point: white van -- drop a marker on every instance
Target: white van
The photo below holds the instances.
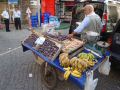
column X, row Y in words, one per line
column 108, row 11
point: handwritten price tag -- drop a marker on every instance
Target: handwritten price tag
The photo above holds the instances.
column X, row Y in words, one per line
column 40, row 41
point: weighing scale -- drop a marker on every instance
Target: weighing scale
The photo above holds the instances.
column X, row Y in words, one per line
column 93, row 44
column 98, row 48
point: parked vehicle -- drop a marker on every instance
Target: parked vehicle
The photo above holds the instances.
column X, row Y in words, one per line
column 110, row 16
column 114, row 40
column 107, row 11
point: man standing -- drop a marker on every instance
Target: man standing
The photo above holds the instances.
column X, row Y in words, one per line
column 17, row 18
column 5, row 16
column 28, row 11
column 91, row 22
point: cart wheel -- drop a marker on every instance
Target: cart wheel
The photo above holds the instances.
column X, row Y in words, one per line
column 48, row 76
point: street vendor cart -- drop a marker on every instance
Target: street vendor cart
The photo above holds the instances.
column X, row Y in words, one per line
column 50, row 68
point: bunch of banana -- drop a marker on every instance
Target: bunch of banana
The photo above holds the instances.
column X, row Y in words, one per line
column 63, row 55
column 64, row 60
column 83, row 56
column 67, row 69
column 91, row 56
column 76, row 73
column 88, row 63
column 67, row 74
column 74, row 62
column 80, row 68
column 88, row 56
column 79, row 64
column 82, row 65
column 91, row 63
column 71, row 71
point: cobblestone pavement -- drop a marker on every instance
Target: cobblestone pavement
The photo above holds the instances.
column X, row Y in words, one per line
column 16, row 66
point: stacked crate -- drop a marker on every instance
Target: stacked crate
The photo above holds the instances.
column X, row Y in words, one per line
column 34, row 21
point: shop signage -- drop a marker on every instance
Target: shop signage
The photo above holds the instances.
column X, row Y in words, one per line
column 33, row 2
column 12, row 1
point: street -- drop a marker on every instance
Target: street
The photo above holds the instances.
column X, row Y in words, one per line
column 19, row 71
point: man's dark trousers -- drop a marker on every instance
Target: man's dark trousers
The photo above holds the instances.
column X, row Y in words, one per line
column 6, row 21
column 17, row 23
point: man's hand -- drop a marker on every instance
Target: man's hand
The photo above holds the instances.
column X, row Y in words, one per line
column 70, row 36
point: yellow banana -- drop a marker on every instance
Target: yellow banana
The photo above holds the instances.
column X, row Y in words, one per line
column 76, row 75
column 67, row 68
column 66, row 75
column 76, row 72
column 91, row 63
column 91, row 56
column 81, row 54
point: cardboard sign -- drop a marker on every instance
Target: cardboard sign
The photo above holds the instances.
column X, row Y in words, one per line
column 40, row 41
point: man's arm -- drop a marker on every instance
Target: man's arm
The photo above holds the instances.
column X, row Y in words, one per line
column 83, row 25
column 2, row 15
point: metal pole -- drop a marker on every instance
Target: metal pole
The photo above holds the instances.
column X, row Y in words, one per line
column 38, row 6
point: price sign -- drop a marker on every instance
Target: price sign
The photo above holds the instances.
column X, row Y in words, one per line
column 40, row 41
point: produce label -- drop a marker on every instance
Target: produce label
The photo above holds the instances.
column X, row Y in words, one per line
column 40, row 41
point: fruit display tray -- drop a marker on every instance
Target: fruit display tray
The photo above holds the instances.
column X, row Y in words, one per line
column 58, row 37
column 49, row 48
column 70, row 46
column 31, row 39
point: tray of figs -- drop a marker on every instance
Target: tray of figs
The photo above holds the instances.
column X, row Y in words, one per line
column 69, row 46
column 49, row 48
column 31, row 39
column 56, row 37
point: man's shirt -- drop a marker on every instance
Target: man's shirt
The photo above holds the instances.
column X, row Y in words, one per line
column 85, row 23
column 5, row 14
column 17, row 14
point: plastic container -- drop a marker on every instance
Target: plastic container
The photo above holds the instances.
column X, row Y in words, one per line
column 63, row 28
column 46, row 17
column 34, row 21
column 53, row 20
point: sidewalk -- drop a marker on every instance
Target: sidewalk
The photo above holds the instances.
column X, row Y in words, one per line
column 18, row 69
column 12, row 27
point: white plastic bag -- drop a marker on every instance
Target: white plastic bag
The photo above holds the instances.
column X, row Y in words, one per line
column 90, row 84
column 104, row 68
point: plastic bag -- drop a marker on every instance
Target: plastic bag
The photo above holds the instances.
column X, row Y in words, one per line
column 90, row 84
column 104, row 68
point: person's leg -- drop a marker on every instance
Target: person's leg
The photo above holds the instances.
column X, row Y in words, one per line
column 15, row 21
column 7, row 25
column 29, row 22
column 19, row 23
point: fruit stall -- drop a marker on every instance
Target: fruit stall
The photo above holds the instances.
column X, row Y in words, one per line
column 61, row 57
